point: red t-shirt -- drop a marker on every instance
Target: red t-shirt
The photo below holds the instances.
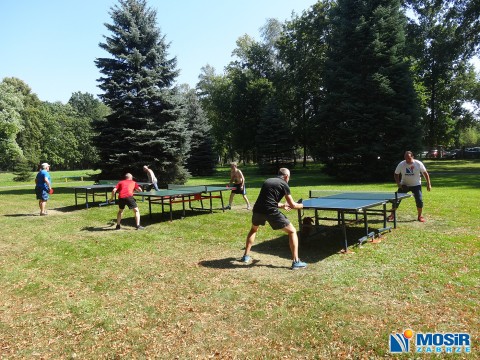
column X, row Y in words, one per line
column 125, row 188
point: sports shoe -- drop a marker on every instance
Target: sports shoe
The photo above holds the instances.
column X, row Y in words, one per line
column 298, row 265
column 43, row 213
column 227, row 207
column 421, row 219
column 245, row 259
column 248, row 207
column 117, row 227
column 390, row 218
column 140, row 227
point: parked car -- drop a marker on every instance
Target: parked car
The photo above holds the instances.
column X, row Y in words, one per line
column 453, row 154
column 472, row 153
column 435, row 154
column 423, row 154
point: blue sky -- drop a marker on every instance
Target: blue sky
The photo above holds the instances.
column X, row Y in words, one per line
column 51, row 45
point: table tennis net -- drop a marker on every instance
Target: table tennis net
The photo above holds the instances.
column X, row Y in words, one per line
column 200, row 188
column 358, row 195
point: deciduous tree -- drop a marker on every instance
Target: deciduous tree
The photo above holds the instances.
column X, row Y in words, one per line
column 11, row 107
column 442, row 40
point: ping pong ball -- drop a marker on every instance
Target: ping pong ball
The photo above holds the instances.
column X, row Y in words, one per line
column 408, row 334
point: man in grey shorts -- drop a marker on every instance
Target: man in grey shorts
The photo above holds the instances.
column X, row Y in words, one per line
column 267, row 207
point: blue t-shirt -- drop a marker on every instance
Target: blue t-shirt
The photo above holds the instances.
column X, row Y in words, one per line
column 41, row 183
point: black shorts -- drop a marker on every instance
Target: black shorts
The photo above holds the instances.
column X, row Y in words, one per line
column 129, row 201
column 239, row 189
column 277, row 221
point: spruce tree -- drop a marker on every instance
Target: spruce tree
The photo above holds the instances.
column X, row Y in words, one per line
column 369, row 115
column 23, row 170
column 274, row 140
column 202, row 158
column 146, row 125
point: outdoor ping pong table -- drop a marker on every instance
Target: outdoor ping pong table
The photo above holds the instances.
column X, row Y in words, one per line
column 359, row 204
column 105, row 188
column 181, row 194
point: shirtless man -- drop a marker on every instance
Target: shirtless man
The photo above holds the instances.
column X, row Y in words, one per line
column 238, row 181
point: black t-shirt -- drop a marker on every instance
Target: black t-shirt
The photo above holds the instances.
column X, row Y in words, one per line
column 273, row 190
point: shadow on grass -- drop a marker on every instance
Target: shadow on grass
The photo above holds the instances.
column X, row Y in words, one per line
column 324, row 242
column 177, row 214
column 456, row 180
column 21, row 215
column 234, row 263
column 67, row 209
column 128, row 223
column 98, row 228
column 31, row 191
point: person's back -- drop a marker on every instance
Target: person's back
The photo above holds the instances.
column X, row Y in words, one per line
column 40, row 179
column 271, row 193
column 266, row 209
column 126, row 188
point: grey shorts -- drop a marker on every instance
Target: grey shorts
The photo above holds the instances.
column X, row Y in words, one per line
column 277, row 221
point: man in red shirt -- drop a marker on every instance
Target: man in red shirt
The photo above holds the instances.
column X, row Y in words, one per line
column 125, row 189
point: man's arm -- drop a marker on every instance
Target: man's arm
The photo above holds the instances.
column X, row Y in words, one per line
column 242, row 178
column 112, row 197
column 427, row 178
column 290, row 204
column 397, row 178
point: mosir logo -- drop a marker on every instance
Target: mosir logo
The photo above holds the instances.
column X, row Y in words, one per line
column 430, row 343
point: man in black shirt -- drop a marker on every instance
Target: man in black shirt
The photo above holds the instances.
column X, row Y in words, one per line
column 267, row 207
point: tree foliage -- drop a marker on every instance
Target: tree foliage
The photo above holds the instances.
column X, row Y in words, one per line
column 441, row 41
column 146, row 124
column 369, row 116
column 202, row 159
column 214, row 93
column 11, row 107
column 274, row 139
column 89, row 111
column 299, row 82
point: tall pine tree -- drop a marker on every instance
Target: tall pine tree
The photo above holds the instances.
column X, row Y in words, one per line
column 274, row 139
column 202, row 159
column 370, row 115
column 146, row 125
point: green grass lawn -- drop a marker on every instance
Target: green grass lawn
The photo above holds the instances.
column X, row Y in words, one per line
column 72, row 287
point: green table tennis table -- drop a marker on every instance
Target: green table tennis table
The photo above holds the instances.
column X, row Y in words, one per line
column 359, row 204
column 104, row 188
column 176, row 194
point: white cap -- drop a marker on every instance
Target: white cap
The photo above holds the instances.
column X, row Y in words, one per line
column 44, row 165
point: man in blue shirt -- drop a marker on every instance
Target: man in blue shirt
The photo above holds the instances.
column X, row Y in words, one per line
column 43, row 184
